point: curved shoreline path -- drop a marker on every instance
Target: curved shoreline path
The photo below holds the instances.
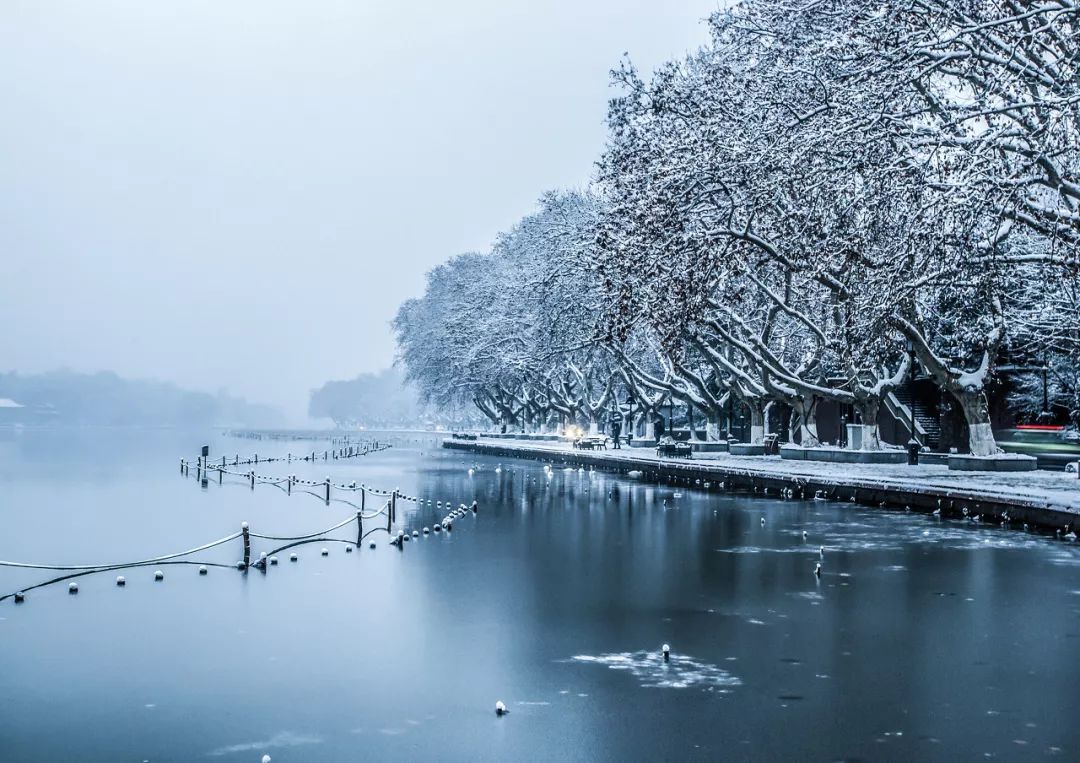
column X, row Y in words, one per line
column 1037, row 498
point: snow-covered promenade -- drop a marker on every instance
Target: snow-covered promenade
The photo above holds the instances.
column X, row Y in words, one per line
column 1048, row 499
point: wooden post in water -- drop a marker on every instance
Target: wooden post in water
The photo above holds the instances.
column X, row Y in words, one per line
column 252, row 475
column 359, row 528
column 363, row 492
column 247, row 543
column 327, row 491
column 393, row 506
column 289, row 483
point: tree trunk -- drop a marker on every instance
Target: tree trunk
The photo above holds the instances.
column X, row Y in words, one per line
column 712, row 429
column 807, row 410
column 977, row 414
column 650, row 428
column 757, row 423
column 868, row 415
column 594, row 426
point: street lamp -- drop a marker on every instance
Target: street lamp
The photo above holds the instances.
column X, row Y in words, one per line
column 913, row 444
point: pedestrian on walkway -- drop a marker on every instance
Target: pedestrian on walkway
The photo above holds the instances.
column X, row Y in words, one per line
column 615, row 422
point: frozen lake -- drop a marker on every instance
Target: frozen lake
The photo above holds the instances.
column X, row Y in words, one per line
column 921, row 639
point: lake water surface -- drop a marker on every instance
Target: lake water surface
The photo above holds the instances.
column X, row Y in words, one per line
column 920, row 640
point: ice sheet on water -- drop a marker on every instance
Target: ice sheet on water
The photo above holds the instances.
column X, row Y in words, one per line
column 679, row 672
column 280, row 739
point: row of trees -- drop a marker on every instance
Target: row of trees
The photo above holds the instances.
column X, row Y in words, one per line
column 825, row 194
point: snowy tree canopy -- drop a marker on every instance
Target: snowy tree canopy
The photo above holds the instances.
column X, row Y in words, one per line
column 789, row 215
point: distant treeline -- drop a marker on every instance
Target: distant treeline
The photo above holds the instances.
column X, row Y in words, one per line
column 379, row 400
column 103, row 398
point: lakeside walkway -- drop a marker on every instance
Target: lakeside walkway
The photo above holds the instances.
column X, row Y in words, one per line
column 1049, row 499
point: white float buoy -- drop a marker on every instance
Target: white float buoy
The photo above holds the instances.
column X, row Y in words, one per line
column 500, row 708
column 73, row 587
column 120, row 580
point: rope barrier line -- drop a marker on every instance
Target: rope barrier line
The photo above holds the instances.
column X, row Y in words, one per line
column 74, row 571
column 336, row 455
column 154, row 560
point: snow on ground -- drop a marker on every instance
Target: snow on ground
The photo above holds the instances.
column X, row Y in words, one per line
column 1054, row 490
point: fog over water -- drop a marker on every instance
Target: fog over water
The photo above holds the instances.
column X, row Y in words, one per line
column 279, row 176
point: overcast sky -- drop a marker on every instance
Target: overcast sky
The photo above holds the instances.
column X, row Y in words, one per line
column 239, row 194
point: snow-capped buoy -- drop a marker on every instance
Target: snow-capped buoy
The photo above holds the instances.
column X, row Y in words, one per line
column 500, row 708
column 371, row 545
column 273, row 561
column 266, row 759
column 634, row 474
column 472, row 472
column 763, row 521
column 293, row 557
column 159, row 575
column 19, row 597
column 475, row 507
column 804, row 534
column 120, row 580
column 665, row 650
column 415, row 534
column 202, row 569
column 821, row 551
column 241, row 566
column 325, row 551
column 426, row 531
column 817, row 569
column 73, row 587
column 348, row 549
column 436, row 528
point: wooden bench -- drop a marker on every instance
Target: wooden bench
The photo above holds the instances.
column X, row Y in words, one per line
column 674, row 450
column 591, row 443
